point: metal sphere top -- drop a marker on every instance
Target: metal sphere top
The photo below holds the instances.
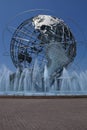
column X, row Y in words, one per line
column 45, row 38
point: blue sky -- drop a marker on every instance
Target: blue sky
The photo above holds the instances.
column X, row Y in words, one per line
column 74, row 12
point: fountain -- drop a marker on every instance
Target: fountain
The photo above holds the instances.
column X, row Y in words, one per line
column 26, row 83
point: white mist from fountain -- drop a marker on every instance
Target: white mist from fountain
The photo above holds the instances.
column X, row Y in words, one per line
column 73, row 83
column 32, row 82
column 46, row 79
column 4, row 80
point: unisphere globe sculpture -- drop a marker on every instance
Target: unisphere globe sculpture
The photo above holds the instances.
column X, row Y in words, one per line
column 45, row 38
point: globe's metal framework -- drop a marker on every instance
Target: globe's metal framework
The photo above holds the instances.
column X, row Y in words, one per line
column 29, row 44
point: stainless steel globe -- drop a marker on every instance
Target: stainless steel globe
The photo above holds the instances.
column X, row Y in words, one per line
column 45, row 38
